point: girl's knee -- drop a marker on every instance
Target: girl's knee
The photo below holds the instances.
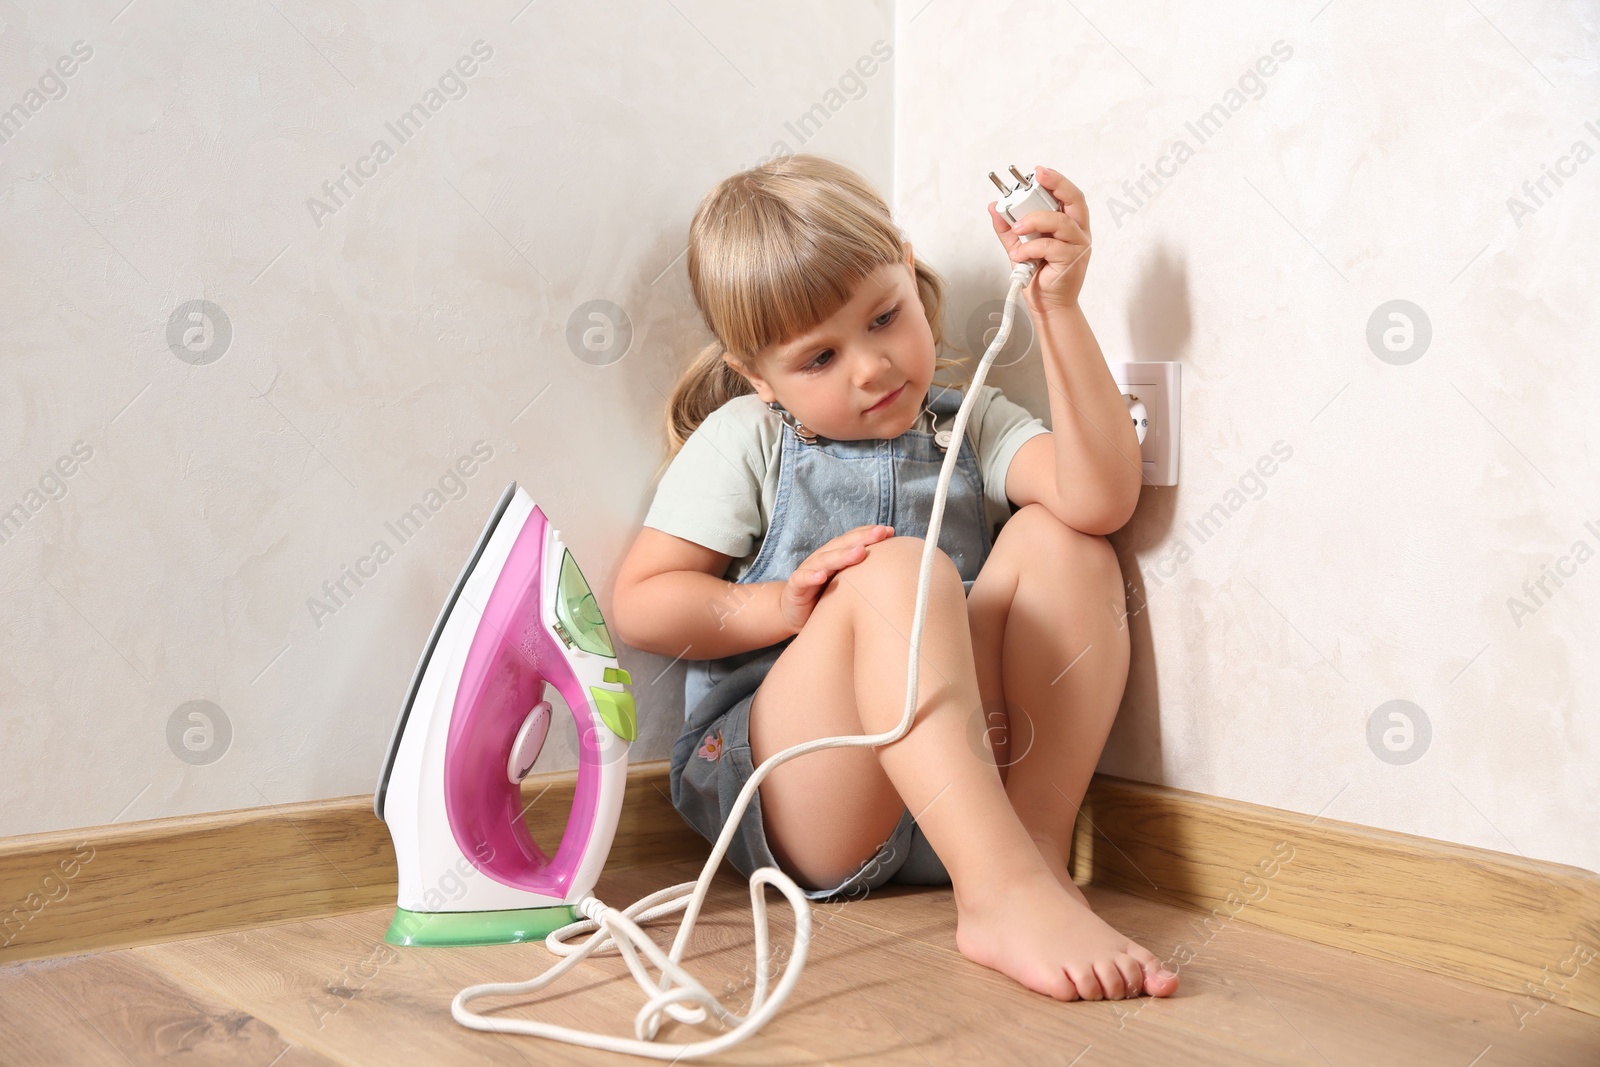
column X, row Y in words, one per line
column 1048, row 540
column 900, row 558
column 888, row 576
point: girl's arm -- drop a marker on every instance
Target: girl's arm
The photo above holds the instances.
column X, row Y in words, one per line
column 670, row 600
column 690, row 615
column 1097, row 470
column 1098, row 466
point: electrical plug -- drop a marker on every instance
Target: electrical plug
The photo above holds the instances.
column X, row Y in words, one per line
column 1025, row 197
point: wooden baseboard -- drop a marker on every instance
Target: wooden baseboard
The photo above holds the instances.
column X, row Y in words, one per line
column 166, row 879
column 1529, row 928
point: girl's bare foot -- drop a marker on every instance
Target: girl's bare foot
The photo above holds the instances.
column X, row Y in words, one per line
column 1034, row 930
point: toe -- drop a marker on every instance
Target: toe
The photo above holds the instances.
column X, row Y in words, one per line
column 1159, row 982
column 1132, row 974
column 1083, row 977
column 1147, row 959
column 1111, row 980
column 1054, row 983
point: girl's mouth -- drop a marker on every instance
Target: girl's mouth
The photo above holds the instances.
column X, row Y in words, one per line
column 886, row 401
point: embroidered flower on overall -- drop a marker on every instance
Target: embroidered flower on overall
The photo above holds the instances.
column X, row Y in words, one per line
column 711, row 746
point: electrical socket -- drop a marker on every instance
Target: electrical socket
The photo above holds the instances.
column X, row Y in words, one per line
column 1155, row 387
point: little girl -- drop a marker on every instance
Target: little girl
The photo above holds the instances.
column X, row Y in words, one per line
column 781, row 556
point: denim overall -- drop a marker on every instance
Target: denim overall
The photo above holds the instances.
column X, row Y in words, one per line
column 825, row 489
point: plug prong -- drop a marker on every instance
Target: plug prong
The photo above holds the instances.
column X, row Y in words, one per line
column 999, row 184
column 1024, row 182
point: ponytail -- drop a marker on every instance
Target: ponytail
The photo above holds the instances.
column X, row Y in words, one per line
column 705, row 386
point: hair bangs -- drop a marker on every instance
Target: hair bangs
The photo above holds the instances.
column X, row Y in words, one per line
column 782, row 260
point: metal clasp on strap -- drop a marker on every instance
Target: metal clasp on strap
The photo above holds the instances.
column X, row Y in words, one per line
column 795, row 424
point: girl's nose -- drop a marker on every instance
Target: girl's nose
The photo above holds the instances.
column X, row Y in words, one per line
column 873, row 367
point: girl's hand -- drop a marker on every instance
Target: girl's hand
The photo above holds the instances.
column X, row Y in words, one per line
column 799, row 596
column 1062, row 248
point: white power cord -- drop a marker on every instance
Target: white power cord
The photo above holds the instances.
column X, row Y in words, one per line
column 620, row 929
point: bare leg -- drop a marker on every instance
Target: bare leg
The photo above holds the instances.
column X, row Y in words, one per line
column 1065, row 665
column 1052, row 654
column 1013, row 915
column 1053, row 658
column 1013, row 737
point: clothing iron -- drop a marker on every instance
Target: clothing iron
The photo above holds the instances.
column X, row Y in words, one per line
column 520, row 617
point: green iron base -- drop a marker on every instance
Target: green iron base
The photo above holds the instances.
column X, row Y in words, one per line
column 460, row 928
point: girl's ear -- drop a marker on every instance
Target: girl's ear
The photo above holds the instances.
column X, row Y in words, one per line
column 757, row 383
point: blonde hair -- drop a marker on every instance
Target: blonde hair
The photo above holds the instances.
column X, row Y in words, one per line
column 773, row 251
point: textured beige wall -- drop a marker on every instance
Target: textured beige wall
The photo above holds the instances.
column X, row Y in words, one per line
column 1374, row 564
column 379, row 337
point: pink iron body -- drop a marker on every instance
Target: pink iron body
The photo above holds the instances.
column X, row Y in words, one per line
column 520, row 618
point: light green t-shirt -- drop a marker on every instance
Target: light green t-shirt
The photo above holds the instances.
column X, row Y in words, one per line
column 719, row 489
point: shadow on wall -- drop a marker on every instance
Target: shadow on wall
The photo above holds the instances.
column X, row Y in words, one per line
column 1160, row 326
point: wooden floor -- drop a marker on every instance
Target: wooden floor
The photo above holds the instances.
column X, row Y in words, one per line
column 884, row 984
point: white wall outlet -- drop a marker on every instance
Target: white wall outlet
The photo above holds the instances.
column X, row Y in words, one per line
column 1154, row 386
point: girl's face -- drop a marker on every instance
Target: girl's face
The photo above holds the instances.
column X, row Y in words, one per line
column 864, row 372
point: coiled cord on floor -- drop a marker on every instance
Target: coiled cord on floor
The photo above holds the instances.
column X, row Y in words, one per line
column 674, row 991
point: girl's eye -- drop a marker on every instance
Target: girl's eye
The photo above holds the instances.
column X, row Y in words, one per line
column 817, row 364
column 881, row 322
